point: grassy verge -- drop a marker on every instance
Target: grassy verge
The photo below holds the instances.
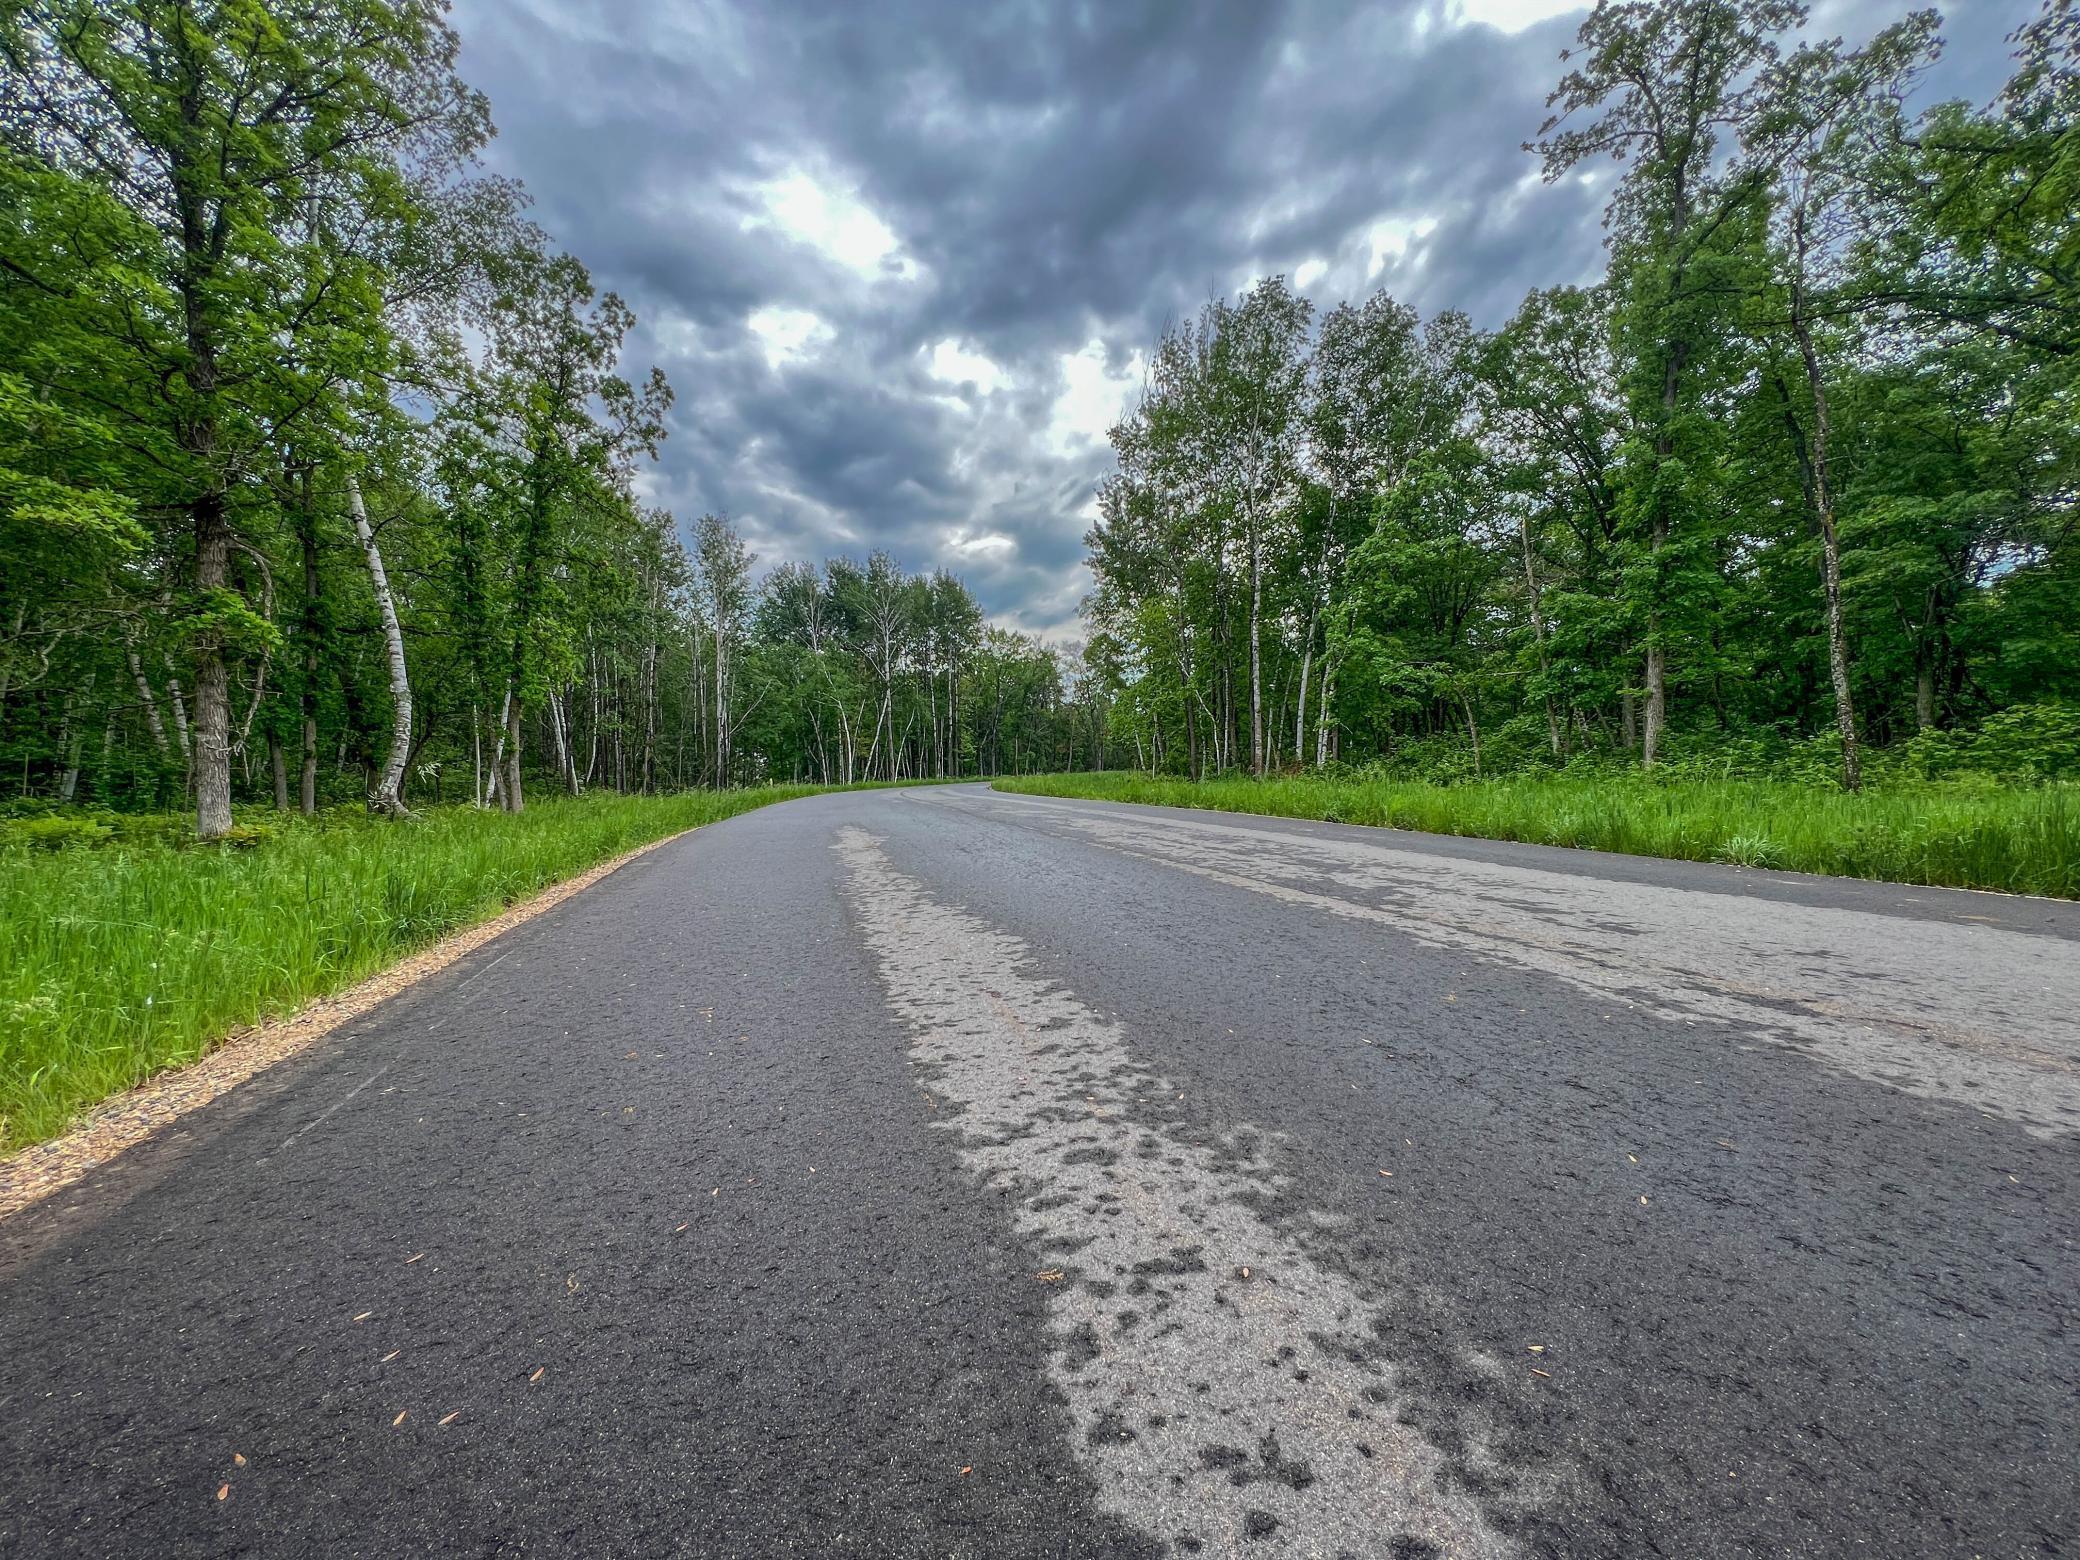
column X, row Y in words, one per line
column 120, row 960
column 2022, row 840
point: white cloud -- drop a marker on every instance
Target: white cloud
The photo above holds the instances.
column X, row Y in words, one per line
column 832, row 220
column 788, row 335
column 1109, row 183
column 951, row 362
column 1091, row 400
column 1389, row 239
column 987, row 544
column 1512, row 16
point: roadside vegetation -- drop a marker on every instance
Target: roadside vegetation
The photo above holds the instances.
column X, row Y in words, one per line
column 125, row 947
column 1759, row 549
column 322, row 466
column 1798, row 467
column 1961, row 833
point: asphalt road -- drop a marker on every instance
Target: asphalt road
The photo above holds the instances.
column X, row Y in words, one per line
column 943, row 1173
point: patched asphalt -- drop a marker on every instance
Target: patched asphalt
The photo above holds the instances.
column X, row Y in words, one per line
column 678, row 1201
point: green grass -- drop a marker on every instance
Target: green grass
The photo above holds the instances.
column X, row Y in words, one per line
column 2022, row 840
column 122, row 956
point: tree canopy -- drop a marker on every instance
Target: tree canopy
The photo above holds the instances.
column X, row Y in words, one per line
column 319, row 464
column 1797, row 472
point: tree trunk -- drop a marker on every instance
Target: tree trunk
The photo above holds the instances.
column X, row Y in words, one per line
column 21, row 616
column 1538, row 631
column 201, row 251
column 180, row 718
column 278, row 761
column 212, row 752
column 721, row 708
column 1191, row 723
column 560, row 738
column 495, row 772
column 572, row 783
column 153, row 723
column 1664, row 452
column 1256, row 653
column 1300, row 705
column 1830, row 543
column 650, row 649
column 307, row 526
column 1321, row 725
column 513, row 799
column 592, row 699
column 69, row 742
column 700, row 697
column 1657, row 685
column 1657, row 651
column 388, row 795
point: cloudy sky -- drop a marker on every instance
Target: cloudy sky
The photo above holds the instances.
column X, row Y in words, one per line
column 902, row 259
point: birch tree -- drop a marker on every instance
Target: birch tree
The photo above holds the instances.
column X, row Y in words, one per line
column 723, row 565
column 1251, row 417
column 387, row 797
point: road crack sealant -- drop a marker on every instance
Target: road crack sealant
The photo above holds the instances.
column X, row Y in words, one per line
column 1227, row 1391
column 1963, row 1015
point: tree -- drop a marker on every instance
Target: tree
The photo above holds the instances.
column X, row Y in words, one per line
column 1251, row 423
column 1833, row 345
column 1380, row 393
column 211, row 125
column 1819, row 113
column 550, row 434
column 1969, row 217
column 1672, row 80
column 1554, row 413
column 723, row 565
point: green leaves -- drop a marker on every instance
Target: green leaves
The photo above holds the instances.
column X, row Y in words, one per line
column 225, row 616
column 59, row 513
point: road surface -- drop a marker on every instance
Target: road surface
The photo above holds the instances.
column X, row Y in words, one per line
column 946, row 1173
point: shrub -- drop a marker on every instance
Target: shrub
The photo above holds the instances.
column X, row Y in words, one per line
column 55, row 831
column 2029, row 742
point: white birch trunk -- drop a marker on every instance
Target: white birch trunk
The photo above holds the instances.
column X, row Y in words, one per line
column 180, row 716
column 153, row 723
column 498, row 750
column 388, row 796
column 1321, row 725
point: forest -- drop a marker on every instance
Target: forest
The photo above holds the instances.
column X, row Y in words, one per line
column 323, row 473
column 1790, row 490
column 321, row 467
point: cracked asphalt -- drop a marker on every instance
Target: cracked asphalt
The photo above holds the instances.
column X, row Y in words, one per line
column 940, row 1172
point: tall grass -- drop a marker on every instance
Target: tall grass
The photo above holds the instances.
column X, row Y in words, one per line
column 120, row 960
column 2019, row 839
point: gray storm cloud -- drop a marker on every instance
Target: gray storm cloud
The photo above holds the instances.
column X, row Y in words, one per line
column 901, row 261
